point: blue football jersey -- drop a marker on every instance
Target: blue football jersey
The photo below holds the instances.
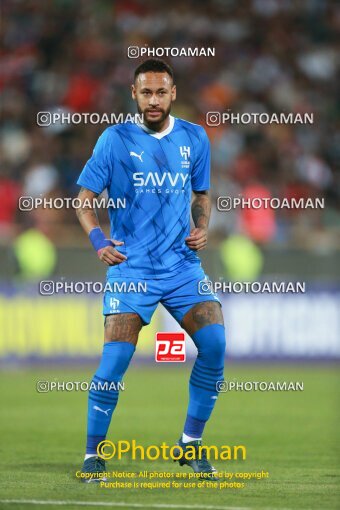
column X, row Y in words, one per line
column 152, row 174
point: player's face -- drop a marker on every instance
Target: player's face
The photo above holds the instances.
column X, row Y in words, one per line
column 154, row 93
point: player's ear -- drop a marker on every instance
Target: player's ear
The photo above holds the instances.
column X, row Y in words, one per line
column 173, row 93
column 133, row 91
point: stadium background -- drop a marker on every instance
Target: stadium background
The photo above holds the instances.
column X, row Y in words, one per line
column 271, row 56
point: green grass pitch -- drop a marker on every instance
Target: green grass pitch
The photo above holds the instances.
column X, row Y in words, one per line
column 292, row 435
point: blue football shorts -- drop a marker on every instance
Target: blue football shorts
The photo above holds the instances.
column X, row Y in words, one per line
column 177, row 293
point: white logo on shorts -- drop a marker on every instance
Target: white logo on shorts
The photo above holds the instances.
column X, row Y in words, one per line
column 114, row 304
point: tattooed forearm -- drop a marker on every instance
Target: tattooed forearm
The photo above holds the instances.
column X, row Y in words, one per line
column 86, row 212
column 200, row 209
column 82, row 191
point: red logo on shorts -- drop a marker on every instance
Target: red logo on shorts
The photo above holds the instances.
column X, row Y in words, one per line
column 170, row 347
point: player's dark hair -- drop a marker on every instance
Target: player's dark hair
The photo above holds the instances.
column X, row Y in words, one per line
column 154, row 65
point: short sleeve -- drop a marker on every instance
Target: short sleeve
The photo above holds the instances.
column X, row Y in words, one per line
column 96, row 174
column 200, row 176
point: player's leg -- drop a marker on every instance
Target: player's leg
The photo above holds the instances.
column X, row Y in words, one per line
column 204, row 323
column 201, row 317
column 125, row 314
column 121, row 336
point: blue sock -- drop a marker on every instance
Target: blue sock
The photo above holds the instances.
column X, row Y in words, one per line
column 207, row 370
column 102, row 402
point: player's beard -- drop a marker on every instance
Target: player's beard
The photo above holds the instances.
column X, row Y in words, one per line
column 155, row 125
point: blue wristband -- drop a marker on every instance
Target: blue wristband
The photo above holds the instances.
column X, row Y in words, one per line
column 98, row 239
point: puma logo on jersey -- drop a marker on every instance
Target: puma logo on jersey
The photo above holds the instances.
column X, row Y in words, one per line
column 139, row 156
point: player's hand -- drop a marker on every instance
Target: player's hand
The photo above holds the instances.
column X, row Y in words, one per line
column 110, row 256
column 198, row 239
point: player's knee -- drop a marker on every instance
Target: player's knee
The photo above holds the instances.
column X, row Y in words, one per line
column 211, row 344
column 214, row 352
column 207, row 313
column 115, row 360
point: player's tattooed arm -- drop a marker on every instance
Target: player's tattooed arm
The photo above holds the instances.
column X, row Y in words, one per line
column 200, row 211
column 86, row 212
column 88, row 219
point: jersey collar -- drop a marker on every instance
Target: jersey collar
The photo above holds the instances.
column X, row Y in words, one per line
column 156, row 134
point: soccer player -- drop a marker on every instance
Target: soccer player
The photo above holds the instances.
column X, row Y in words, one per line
column 158, row 167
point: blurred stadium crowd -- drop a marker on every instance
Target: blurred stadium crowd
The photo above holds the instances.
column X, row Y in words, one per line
column 271, row 56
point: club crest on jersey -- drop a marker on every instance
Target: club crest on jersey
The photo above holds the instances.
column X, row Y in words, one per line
column 185, row 153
